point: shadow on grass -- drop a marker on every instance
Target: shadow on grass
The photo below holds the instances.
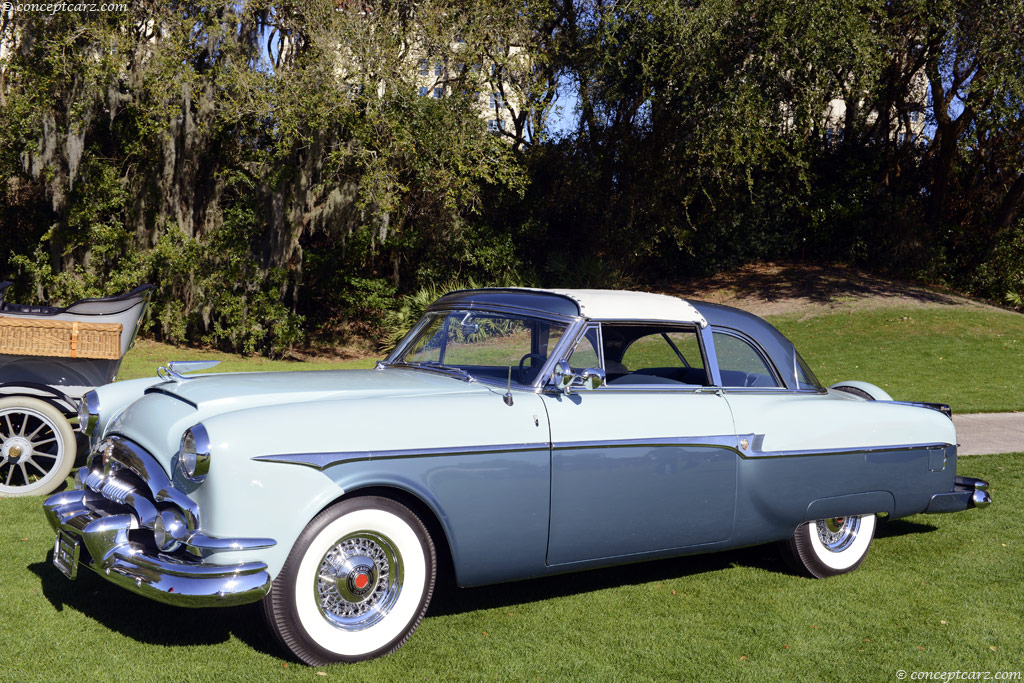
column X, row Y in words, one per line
column 450, row 599
column 902, row 527
column 152, row 622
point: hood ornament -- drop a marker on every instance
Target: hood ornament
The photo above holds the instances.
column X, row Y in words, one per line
column 172, row 372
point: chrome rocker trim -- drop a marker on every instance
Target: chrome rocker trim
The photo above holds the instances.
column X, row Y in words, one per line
column 967, row 493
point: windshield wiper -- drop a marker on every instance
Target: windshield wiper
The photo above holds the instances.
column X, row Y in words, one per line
column 436, row 367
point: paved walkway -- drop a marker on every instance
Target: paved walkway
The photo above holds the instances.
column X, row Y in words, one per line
column 983, row 433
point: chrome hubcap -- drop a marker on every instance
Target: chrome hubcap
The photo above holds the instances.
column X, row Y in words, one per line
column 359, row 580
column 838, row 533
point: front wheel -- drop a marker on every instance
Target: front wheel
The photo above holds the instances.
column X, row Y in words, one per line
column 827, row 547
column 37, row 447
column 355, row 585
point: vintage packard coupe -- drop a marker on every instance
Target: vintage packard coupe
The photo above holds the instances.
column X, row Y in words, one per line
column 518, row 433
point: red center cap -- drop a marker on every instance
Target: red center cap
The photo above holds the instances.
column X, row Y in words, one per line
column 361, row 581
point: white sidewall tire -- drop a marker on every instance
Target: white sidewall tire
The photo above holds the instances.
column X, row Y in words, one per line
column 292, row 607
column 359, row 643
column 849, row 556
column 806, row 553
column 66, row 451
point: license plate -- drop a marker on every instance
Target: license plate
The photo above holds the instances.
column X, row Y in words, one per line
column 65, row 554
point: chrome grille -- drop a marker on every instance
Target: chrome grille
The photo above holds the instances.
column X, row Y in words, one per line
column 124, row 473
column 117, row 491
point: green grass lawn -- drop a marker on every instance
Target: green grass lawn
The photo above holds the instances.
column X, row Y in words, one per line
column 146, row 356
column 937, row 592
column 972, row 359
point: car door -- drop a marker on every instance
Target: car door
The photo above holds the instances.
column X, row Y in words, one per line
column 647, row 462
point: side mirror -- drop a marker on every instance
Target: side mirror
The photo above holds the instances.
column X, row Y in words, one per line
column 563, row 376
column 593, row 378
column 565, row 379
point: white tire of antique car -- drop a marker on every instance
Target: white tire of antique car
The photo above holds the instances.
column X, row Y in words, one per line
column 37, row 447
column 828, row 547
column 355, row 585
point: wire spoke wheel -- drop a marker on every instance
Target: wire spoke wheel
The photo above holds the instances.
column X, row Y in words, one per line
column 356, row 583
column 37, row 447
column 827, row 547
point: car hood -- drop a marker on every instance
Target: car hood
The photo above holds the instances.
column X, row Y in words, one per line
column 157, row 419
column 212, row 394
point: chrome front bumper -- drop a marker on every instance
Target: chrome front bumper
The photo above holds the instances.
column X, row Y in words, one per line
column 95, row 532
column 967, row 492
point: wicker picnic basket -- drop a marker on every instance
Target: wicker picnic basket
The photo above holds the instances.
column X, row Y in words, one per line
column 60, row 338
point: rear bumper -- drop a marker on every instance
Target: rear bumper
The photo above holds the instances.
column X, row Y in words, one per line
column 103, row 544
column 967, row 493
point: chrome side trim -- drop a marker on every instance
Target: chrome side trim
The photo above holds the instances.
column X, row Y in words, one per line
column 758, row 439
column 322, row 461
column 729, row 441
column 744, row 445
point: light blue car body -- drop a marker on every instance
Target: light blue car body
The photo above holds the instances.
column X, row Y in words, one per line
column 515, row 481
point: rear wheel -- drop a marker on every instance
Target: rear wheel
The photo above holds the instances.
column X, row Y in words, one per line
column 827, row 547
column 355, row 585
column 37, row 447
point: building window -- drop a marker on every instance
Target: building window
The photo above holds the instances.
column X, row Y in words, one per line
column 439, row 69
column 496, row 101
column 424, row 68
column 423, row 91
column 495, row 125
column 438, row 93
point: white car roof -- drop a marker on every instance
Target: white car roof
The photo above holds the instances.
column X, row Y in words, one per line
column 614, row 304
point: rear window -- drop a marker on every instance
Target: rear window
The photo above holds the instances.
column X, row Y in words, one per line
column 740, row 364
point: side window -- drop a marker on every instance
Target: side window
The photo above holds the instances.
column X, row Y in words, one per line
column 740, row 364
column 664, row 350
column 653, row 355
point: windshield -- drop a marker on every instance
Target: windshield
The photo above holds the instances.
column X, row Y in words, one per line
column 485, row 345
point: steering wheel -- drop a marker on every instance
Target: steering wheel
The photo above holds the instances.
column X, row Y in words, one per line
column 522, row 368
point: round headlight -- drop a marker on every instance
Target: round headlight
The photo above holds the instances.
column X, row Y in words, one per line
column 88, row 412
column 168, row 530
column 194, row 453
